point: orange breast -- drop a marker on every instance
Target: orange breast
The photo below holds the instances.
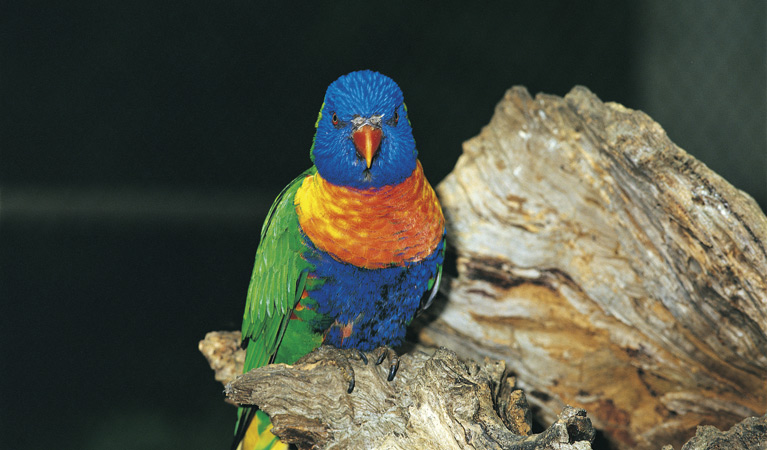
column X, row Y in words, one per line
column 372, row 228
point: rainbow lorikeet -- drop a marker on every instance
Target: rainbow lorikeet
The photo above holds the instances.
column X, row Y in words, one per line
column 352, row 248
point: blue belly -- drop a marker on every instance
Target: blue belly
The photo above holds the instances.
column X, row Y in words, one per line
column 367, row 308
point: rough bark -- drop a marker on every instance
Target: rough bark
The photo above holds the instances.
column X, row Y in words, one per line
column 449, row 393
column 224, row 354
column 609, row 269
column 435, row 402
column 750, row 434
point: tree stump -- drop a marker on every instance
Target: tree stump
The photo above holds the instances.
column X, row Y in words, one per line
column 609, row 269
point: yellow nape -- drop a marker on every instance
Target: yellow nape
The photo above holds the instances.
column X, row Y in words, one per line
column 264, row 440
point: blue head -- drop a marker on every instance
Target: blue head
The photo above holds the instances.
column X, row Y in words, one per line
column 364, row 138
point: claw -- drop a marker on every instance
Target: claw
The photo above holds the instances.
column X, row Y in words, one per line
column 393, row 369
column 384, row 353
column 343, row 363
column 348, row 372
column 363, row 357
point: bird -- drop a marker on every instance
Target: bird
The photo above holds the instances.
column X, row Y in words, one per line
column 351, row 249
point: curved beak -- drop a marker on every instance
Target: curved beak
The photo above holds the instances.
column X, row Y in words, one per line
column 367, row 139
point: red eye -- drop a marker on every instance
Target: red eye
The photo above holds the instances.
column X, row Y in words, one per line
column 335, row 119
column 396, row 117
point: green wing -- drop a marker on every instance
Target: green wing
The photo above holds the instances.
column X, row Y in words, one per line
column 278, row 280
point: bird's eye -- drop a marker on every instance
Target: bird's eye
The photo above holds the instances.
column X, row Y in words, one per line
column 335, row 119
column 394, row 119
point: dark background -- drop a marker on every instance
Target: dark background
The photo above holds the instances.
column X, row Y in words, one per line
column 141, row 144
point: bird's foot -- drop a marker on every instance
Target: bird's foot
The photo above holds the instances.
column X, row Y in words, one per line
column 342, row 361
column 386, row 353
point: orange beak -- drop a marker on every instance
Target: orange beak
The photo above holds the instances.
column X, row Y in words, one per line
column 367, row 140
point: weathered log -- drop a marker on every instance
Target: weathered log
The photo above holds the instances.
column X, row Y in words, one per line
column 572, row 428
column 609, row 269
column 750, row 434
column 224, row 354
column 435, row 402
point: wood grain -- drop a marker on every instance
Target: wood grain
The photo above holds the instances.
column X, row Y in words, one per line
column 610, row 269
column 436, row 401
